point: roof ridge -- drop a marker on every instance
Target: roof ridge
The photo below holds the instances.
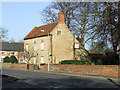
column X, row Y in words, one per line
column 47, row 24
column 11, row 42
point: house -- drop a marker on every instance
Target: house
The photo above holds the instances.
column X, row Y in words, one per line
column 11, row 48
column 54, row 39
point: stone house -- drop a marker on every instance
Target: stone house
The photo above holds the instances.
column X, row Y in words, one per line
column 54, row 39
column 11, row 48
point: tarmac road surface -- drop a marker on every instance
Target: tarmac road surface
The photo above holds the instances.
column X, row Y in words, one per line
column 39, row 79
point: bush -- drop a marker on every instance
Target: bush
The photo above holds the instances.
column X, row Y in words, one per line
column 6, row 60
column 13, row 59
column 73, row 62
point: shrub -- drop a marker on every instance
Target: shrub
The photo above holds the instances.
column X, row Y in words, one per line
column 73, row 62
column 6, row 60
column 13, row 59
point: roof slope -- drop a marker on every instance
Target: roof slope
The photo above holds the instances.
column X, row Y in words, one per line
column 36, row 31
column 13, row 46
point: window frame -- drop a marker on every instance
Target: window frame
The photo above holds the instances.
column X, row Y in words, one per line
column 42, row 58
column 42, row 45
column 58, row 32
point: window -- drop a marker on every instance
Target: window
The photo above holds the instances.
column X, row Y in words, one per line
column 15, row 53
column 76, row 45
column 21, row 53
column 42, row 30
column 35, row 47
column 76, row 58
column 42, row 59
column 42, row 45
column 26, row 47
column 35, row 60
column 2, row 58
column 3, row 52
column 12, row 53
column 21, row 59
column 58, row 32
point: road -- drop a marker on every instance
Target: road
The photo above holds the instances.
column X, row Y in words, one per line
column 35, row 79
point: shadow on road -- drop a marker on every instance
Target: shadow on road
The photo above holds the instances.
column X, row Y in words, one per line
column 114, row 82
column 8, row 79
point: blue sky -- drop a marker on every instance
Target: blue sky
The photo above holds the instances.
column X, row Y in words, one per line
column 19, row 18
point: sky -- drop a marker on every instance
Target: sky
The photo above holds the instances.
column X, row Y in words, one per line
column 19, row 18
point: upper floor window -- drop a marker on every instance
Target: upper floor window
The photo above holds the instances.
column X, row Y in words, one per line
column 26, row 47
column 58, row 32
column 42, row 45
column 3, row 52
column 15, row 53
column 12, row 53
column 35, row 46
column 21, row 53
column 42, row 30
column 76, row 45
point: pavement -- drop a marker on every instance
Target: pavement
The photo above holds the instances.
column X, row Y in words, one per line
column 43, row 79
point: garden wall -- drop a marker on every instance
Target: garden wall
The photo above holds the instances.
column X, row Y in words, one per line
column 101, row 70
column 17, row 66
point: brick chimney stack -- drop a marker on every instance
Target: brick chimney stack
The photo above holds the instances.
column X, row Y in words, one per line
column 61, row 17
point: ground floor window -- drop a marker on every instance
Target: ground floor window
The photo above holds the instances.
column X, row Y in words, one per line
column 35, row 62
column 21, row 59
column 42, row 59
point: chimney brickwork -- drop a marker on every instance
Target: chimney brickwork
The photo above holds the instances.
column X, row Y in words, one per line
column 61, row 17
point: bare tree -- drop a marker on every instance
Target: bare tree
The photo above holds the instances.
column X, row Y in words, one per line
column 3, row 33
column 28, row 55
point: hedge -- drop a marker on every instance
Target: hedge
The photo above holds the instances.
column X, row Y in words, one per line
column 6, row 60
column 13, row 59
column 73, row 62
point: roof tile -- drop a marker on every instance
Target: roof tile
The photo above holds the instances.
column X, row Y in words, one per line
column 36, row 31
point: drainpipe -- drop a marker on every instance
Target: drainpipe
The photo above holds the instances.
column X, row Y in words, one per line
column 74, row 46
column 48, row 52
column 51, row 51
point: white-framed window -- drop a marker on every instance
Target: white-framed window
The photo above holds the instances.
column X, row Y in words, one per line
column 12, row 53
column 42, row 30
column 42, row 59
column 21, row 59
column 76, row 45
column 42, row 45
column 35, row 46
column 2, row 58
column 26, row 47
column 21, row 53
column 35, row 61
column 15, row 53
column 4, row 53
column 58, row 32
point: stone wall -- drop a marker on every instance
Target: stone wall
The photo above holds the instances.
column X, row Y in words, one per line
column 101, row 70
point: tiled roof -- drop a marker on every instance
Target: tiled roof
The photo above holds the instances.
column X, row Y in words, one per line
column 11, row 46
column 36, row 31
